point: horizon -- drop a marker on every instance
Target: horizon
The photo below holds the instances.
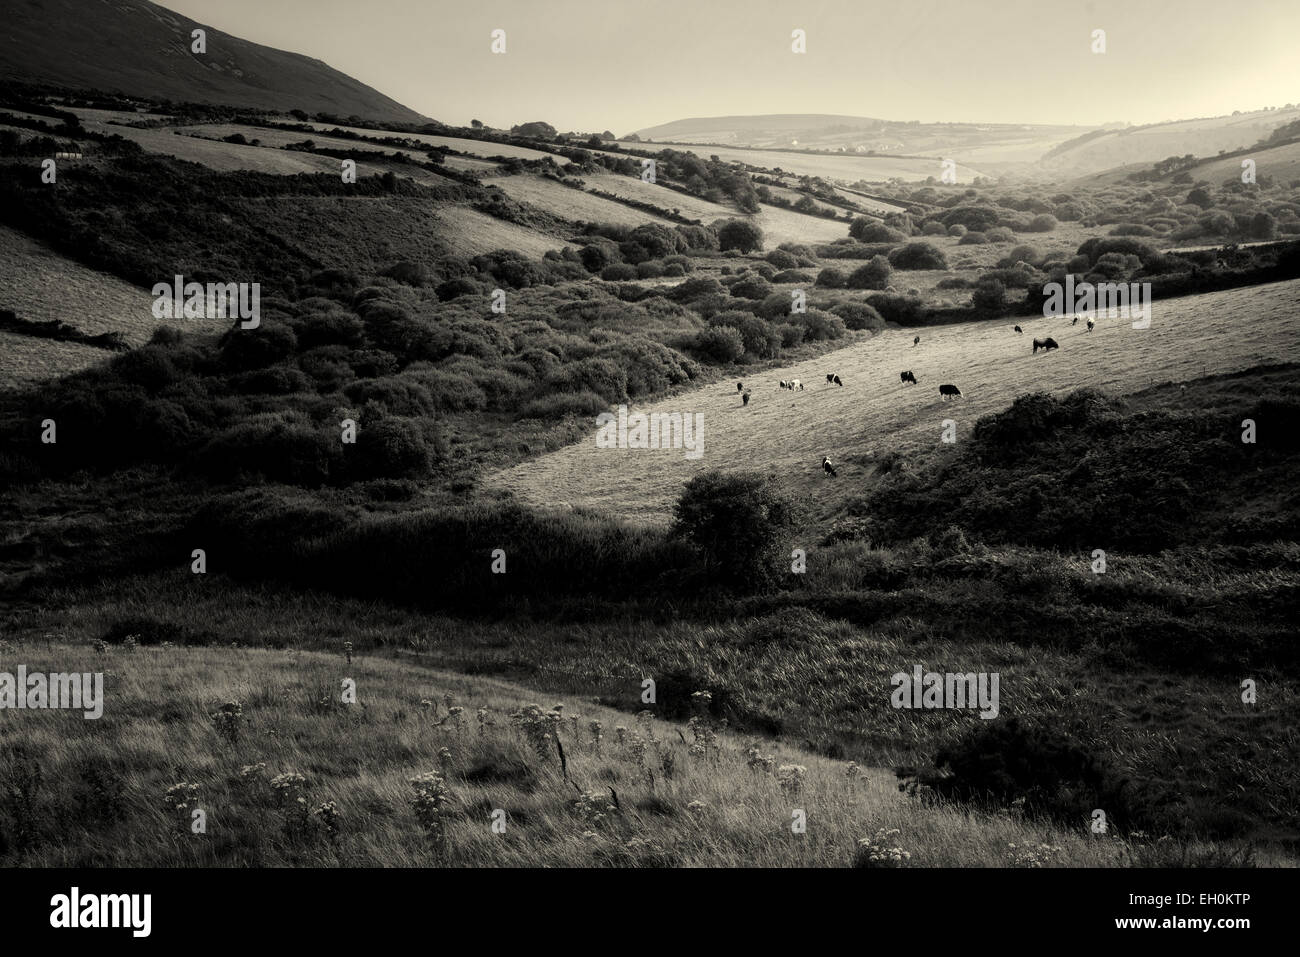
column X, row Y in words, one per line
column 1189, row 72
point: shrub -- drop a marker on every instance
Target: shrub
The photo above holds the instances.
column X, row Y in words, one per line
column 973, row 239
column 933, row 228
column 918, row 256
column 979, row 218
column 1000, row 234
column 819, row 326
column 957, row 229
column 866, row 230
column 455, row 288
column 872, row 275
column 1131, row 229
column 782, row 259
column 989, row 296
column 718, row 345
column 760, row 339
column 791, row 335
column 832, row 278
column 741, row 235
column 738, row 521
column 904, row 310
column 649, row 269
column 751, row 289
column 618, row 272
column 859, row 316
column 1042, row 223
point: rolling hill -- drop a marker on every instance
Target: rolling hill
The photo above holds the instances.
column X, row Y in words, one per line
column 138, row 48
column 965, row 142
column 874, row 414
column 1144, row 145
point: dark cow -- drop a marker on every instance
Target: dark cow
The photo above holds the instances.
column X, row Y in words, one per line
column 1076, row 321
column 745, row 398
column 948, row 391
column 740, row 387
column 1090, row 324
column 836, row 380
column 1046, row 344
column 1020, row 331
column 906, row 377
column 827, row 467
column 916, row 341
column 830, row 377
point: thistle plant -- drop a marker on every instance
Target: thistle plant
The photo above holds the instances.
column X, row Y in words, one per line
column 482, row 721
column 644, row 720
column 130, row 642
column 347, row 650
column 100, row 646
column 620, row 735
column 444, row 759
column 595, row 811
column 851, row 774
column 227, row 720
column 596, row 736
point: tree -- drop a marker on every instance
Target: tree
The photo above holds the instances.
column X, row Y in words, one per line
column 740, row 234
column 476, row 124
column 738, row 521
column 1200, row 197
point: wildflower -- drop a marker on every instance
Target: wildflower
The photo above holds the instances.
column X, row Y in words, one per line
column 791, row 777
column 695, row 807
column 595, row 728
column 328, row 814
column 881, row 850
column 430, row 803
column 1035, row 855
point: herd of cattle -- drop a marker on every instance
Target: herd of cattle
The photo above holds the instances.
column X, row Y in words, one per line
column 946, row 391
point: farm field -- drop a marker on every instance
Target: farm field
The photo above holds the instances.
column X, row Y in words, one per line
column 565, row 201
column 40, row 285
column 874, row 414
column 839, row 166
column 483, row 148
column 226, row 157
column 26, row 359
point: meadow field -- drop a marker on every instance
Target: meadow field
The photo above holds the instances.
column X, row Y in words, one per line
column 873, row 415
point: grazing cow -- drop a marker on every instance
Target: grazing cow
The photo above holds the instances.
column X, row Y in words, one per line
column 784, row 384
column 906, row 377
column 740, row 387
column 1090, row 324
column 830, row 377
column 827, row 466
column 1076, row 321
column 916, row 341
column 948, row 391
column 1045, row 344
column 745, row 398
column 836, row 380
column 796, row 384
column 1020, row 331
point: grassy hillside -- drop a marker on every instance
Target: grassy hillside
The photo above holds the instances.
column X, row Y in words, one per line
column 415, row 772
column 874, row 416
column 142, row 49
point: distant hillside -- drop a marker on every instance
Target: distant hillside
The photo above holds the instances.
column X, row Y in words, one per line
column 1002, row 142
column 141, row 49
column 1203, row 138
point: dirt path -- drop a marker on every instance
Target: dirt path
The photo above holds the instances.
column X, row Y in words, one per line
column 873, row 412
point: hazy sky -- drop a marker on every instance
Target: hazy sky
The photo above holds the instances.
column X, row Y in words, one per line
column 592, row 65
